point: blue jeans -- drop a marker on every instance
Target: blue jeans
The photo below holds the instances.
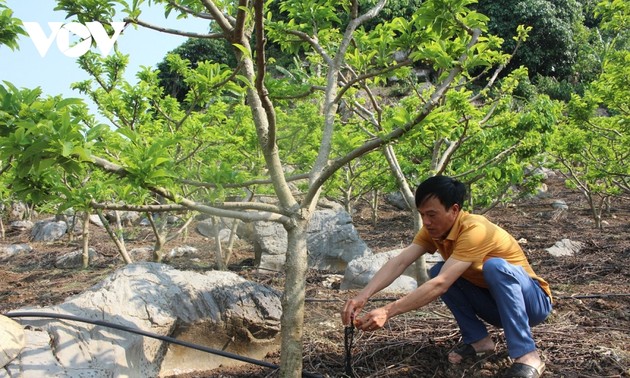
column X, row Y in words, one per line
column 514, row 301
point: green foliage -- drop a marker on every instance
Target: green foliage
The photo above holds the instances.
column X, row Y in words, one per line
column 41, row 139
column 10, row 27
column 403, row 9
column 90, row 10
column 551, row 47
column 591, row 146
column 558, row 90
column 490, row 154
column 194, row 52
column 174, row 123
column 161, row 141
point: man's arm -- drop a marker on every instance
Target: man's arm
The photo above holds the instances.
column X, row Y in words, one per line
column 383, row 278
column 426, row 293
column 392, row 270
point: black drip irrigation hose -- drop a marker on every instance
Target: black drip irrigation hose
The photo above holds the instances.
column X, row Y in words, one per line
column 167, row 339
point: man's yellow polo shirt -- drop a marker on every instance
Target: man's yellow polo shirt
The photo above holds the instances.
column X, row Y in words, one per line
column 474, row 238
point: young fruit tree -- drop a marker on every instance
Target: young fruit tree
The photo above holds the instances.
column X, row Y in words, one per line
column 591, row 145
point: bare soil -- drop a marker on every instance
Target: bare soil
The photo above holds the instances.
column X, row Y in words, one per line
column 587, row 335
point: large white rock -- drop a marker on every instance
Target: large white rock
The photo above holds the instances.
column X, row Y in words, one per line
column 12, row 340
column 332, row 242
column 360, row 271
column 220, row 310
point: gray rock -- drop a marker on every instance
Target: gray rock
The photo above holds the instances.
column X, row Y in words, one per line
column 38, row 359
column 48, row 230
column 12, row 340
column 565, row 247
column 542, row 191
column 332, row 242
column 560, row 205
column 546, row 173
column 270, row 241
column 21, row 226
column 129, row 218
column 182, row 251
column 74, row 259
column 141, row 254
column 361, row 270
column 208, row 229
column 96, row 220
column 397, row 200
column 17, row 211
column 219, row 310
column 14, row 249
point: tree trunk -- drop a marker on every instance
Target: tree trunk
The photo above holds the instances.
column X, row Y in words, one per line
column 118, row 241
column 374, row 206
column 160, row 232
column 86, row 240
column 595, row 212
column 293, row 302
column 422, row 275
column 230, row 245
column 218, row 248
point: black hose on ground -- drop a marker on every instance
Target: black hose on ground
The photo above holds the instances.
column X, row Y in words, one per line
column 138, row 331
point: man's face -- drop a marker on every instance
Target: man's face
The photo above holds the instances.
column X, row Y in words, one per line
column 436, row 219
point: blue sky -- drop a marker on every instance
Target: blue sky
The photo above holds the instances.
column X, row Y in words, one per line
column 55, row 72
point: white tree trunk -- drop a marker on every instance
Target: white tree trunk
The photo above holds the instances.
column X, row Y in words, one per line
column 292, row 321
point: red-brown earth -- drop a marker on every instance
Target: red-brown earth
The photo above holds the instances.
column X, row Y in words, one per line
column 587, row 335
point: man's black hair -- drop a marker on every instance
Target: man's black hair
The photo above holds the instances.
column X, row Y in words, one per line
column 448, row 190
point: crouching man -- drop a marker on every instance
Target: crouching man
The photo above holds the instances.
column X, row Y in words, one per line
column 485, row 278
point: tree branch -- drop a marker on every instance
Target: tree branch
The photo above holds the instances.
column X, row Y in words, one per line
column 363, row 77
column 225, row 23
column 191, row 205
column 137, row 208
column 496, row 158
column 375, row 143
column 241, row 16
column 261, row 68
column 303, row 176
column 188, row 10
column 182, row 33
column 314, row 44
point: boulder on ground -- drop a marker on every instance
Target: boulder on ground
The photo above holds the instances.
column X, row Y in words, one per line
column 11, row 340
column 74, row 259
column 332, row 242
column 14, row 249
column 48, row 230
column 220, row 310
column 360, row 271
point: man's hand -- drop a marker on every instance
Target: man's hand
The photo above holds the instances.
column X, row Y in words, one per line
column 351, row 309
column 373, row 320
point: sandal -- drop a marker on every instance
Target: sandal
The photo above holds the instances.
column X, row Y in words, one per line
column 519, row 370
column 466, row 351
